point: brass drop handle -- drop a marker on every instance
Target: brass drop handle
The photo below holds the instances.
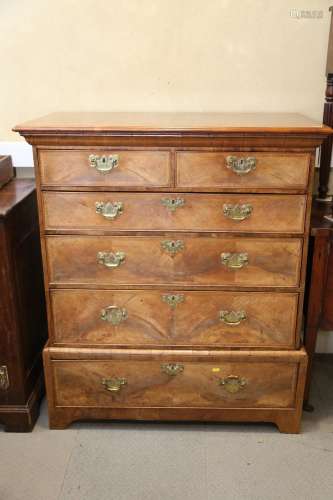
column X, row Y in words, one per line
column 110, row 259
column 173, row 203
column 104, row 164
column 172, row 369
column 114, row 314
column 232, row 318
column 237, row 212
column 172, row 246
column 241, row 166
column 113, row 384
column 4, row 378
column 234, row 260
column 109, row 210
column 233, row 383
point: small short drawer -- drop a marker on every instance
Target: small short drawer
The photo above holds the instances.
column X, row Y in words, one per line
column 174, row 318
column 266, row 172
column 175, row 379
column 110, row 169
column 173, row 259
column 170, row 211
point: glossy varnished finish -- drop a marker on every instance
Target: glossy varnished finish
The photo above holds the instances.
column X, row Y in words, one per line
column 273, row 262
column 22, row 309
column 6, row 170
column 85, row 123
column 140, row 169
column 271, row 391
column 103, row 318
column 208, row 171
column 189, row 319
column 76, row 212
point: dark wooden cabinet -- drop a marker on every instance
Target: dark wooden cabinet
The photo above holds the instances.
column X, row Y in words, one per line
column 22, row 307
column 319, row 297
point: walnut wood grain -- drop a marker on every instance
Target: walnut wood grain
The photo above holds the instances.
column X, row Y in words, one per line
column 272, row 262
column 148, row 212
column 273, row 170
column 273, row 390
column 193, row 322
column 112, row 122
column 284, row 146
column 136, row 168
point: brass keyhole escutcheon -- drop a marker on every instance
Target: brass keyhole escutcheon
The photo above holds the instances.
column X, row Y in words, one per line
column 172, row 246
column 172, row 369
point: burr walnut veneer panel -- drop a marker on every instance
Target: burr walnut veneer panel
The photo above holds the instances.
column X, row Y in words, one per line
column 174, row 249
column 167, row 212
column 169, row 318
column 271, row 262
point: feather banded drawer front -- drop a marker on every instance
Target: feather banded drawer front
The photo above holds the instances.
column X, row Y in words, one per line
column 174, row 252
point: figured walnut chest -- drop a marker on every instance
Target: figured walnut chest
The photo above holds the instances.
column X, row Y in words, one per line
column 174, row 250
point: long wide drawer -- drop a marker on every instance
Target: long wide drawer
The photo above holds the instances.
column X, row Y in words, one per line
column 168, row 211
column 175, row 379
column 185, row 318
column 104, row 168
column 188, row 261
column 204, row 170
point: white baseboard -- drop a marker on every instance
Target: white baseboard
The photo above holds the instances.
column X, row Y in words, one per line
column 20, row 151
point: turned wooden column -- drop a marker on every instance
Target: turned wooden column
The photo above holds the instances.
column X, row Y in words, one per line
column 326, row 149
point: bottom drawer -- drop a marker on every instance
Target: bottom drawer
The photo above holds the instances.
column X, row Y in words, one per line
column 97, row 380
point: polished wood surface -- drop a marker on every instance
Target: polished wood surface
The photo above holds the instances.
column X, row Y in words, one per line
column 319, row 294
column 197, row 386
column 136, row 168
column 273, row 171
column 94, row 122
column 6, row 170
column 272, row 262
column 176, row 253
column 195, row 321
column 74, row 212
column 22, row 307
column 272, row 390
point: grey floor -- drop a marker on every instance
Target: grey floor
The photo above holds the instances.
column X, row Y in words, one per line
column 144, row 461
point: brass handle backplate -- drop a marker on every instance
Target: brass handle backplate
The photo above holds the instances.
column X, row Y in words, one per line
column 113, row 384
column 237, row 212
column 173, row 203
column 173, row 299
column 4, row 378
column 234, row 260
column 241, row 166
column 172, row 246
column 110, row 259
column 172, row 368
column 233, row 383
column 109, row 210
column 104, row 164
column 232, row 318
column 114, row 314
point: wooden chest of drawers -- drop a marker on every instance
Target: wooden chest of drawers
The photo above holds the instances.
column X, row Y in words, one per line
column 174, row 250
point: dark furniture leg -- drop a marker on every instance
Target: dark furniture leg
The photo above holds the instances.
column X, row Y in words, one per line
column 317, row 287
column 326, row 148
